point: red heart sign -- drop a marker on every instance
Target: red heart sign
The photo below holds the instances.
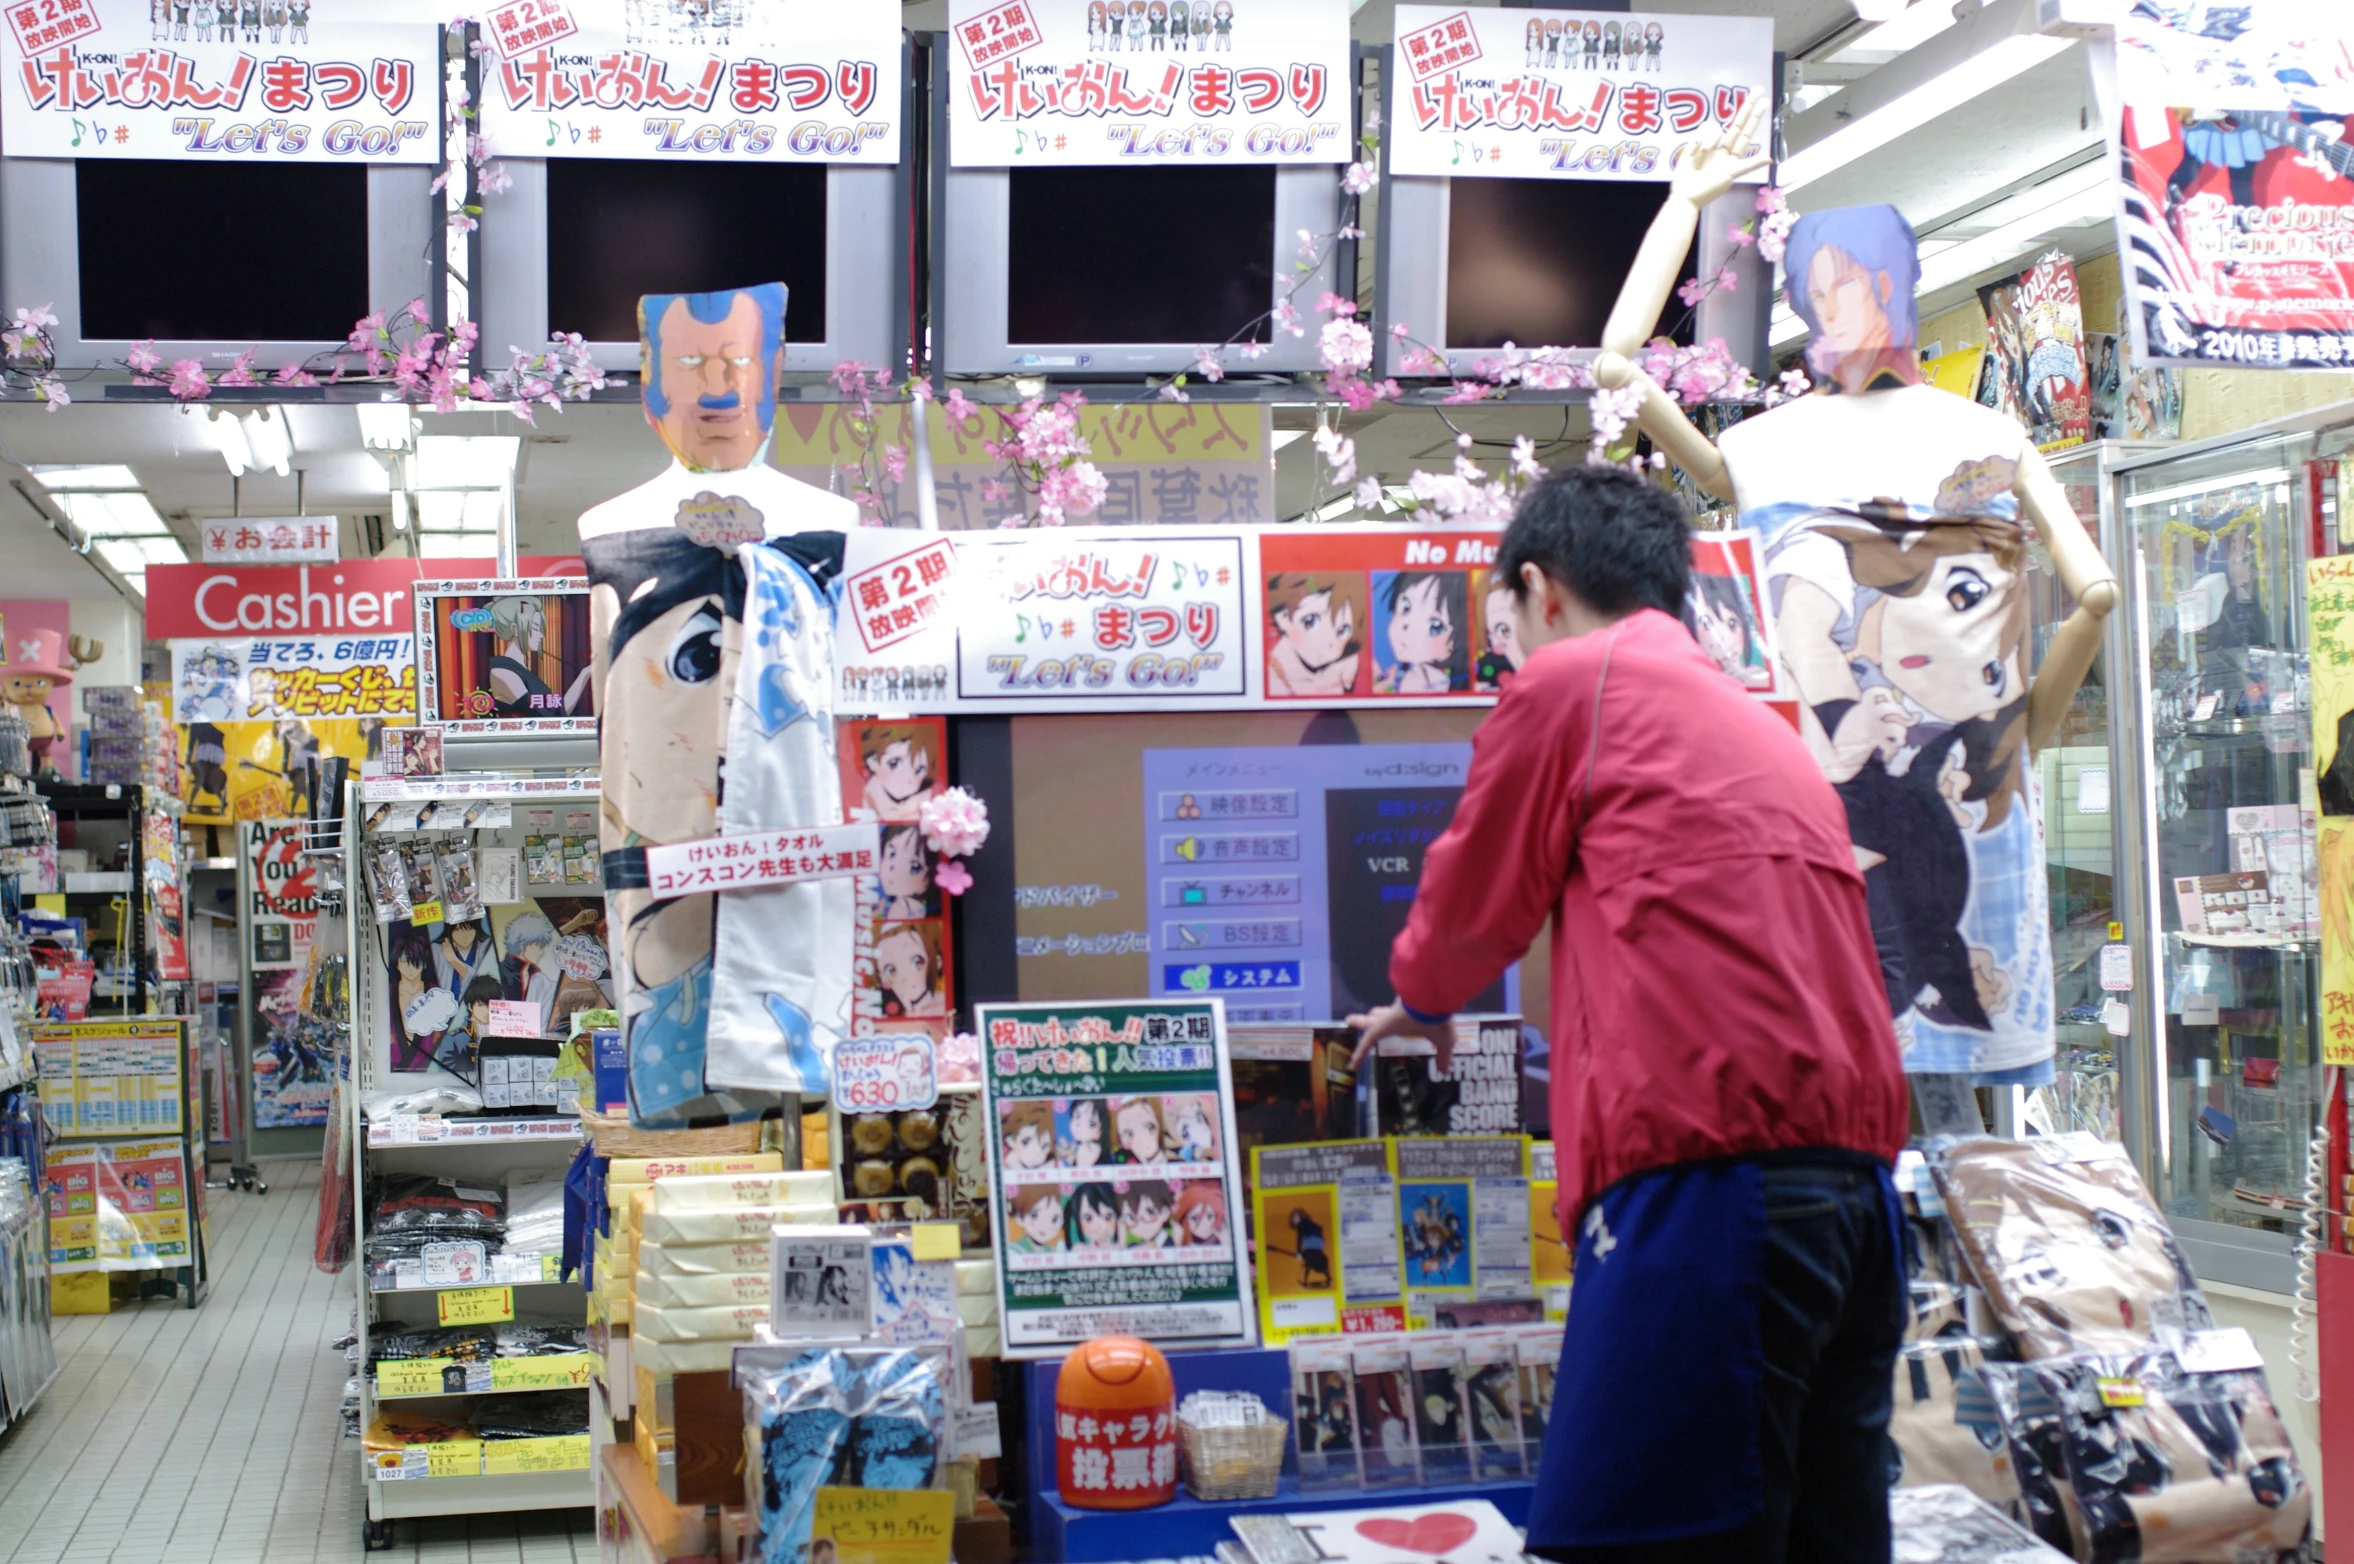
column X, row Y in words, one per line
column 1436, row 1533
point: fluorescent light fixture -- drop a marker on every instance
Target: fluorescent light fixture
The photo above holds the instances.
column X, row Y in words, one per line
column 1981, row 73
column 115, row 477
column 2184, row 491
column 466, row 461
column 228, row 438
column 474, row 511
column 269, row 439
column 1284, row 437
column 130, row 557
column 1877, row 10
column 2068, row 209
column 1908, row 29
column 386, row 426
column 114, row 514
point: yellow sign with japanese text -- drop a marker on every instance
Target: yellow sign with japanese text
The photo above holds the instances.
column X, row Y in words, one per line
column 2329, row 608
column 475, row 1305
column 883, row 1526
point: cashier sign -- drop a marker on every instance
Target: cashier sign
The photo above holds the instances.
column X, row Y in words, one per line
column 756, row 858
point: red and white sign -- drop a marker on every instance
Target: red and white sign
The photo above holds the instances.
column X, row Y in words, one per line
column 269, row 540
column 885, row 1073
column 514, row 1018
column 527, row 24
column 755, row 858
column 899, row 597
column 44, row 24
column 1186, row 81
column 355, row 595
column 1448, row 44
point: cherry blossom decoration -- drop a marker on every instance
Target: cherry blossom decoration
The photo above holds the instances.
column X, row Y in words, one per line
column 957, row 1059
column 955, row 825
column 1044, row 456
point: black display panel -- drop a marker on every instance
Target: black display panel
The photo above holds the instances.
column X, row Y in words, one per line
column 221, row 252
column 621, row 228
column 1539, row 262
column 1138, row 255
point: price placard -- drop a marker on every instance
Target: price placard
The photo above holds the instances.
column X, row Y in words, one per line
column 558, row 1453
column 475, row 1305
column 885, row 1073
column 456, row 1458
column 557, row 1371
column 410, row 1377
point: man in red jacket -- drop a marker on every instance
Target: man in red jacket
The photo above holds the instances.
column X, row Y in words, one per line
column 1726, row 1092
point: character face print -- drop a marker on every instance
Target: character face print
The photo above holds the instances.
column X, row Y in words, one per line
column 904, row 966
column 412, row 983
column 1140, row 1132
column 1202, row 1224
column 1098, row 1225
column 901, row 770
column 1721, row 636
column 1944, row 646
column 712, row 377
column 1086, row 1133
column 1318, row 628
column 1029, row 1147
column 1421, row 628
column 1194, row 1133
column 1042, row 1222
column 1502, row 627
column 905, row 870
column 1145, row 1219
column 1850, row 302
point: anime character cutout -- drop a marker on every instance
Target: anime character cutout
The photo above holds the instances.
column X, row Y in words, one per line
column 1156, row 21
column 1180, row 25
column 1610, row 50
column 1652, row 38
column 1553, row 43
column 516, row 688
column 1423, row 623
column 1721, row 617
column 710, row 363
column 1593, row 45
column 1092, row 1217
column 1139, row 24
column 208, row 768
column 1311, row 1249
column 1094, row 26
column 1222, row 23
column 298, row 21
column 902, row 769
column 909, row 972
column 422, row 1011
column 903, row 879
column 1315, row 625
column 1852, row 273
column 1533, row 51
column 1202, row 25
column 208, row 686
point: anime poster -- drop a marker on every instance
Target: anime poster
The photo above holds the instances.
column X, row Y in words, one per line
column 2232, row 154
column 1386, row 615
column 901, row 958
column 2035, row 363
column 1478, row 1094
column 1550, row 1253
column 1030, row 82
column 1292, row 1084
column 294, row 1056
column 242, row 678
column 1463, row 1233
column 220, row 79
column 2329, row 608
column 1725, row 610
column 167, row 921
column 283, row 919
column 248, row 771
column 1113, row 1174
column 1325, row 1220
column 118, row 1206
column 781, row 81
column 506, row 657
column 1500, row 94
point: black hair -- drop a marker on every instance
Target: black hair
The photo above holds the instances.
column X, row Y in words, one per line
column 1618, row 541
column 1724, row 594
column 1099, row 1196
column 1451, row 591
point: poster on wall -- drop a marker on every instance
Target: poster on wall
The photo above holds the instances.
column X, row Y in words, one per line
column 293, row 1079
column 504, row 657
column 2035, row 362
column 247, row 771
column 780, row 81
column 1499, row 94
column 1033, row 83
column 901, row 961
column 246, row 678
column 166, row 79
column 2329, row 609
column 1382, row 614
column 2234, row 183
column 1113, row 1175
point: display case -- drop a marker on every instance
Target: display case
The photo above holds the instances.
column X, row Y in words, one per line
column 2212, row 745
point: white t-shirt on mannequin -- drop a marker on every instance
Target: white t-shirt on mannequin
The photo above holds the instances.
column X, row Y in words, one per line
column 786, row 505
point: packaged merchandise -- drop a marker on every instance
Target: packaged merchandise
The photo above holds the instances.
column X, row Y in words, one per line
column 2030, row 1422
column 1439, row 1431
column 838, row 1417
column 683, row 1357
column 461, row 902
column 1538, row 1351
column 416, row 1209
column 2072, row 1252
column 703, row 1292
column 1478, row 1094
column 918, row 1165
column 1947, row 1524
column 748, row 1258
column 388, row 881
column 399, row 1430
column 1491, row 1407
column 1323, row 1408
column 543, row 858
column 822, row 1283
column 728, row 1323
column 1944, row 1426
column 540, row 1415
column 1385, row 1411
column 732, row 1225
column 710, row 1192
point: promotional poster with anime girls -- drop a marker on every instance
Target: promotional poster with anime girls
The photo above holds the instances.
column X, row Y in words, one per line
column 900, row 975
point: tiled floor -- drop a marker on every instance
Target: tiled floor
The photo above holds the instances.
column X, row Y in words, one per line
column 210, row 1436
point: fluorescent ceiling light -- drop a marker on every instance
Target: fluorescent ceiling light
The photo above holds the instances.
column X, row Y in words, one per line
column 460, row 461
column 228, row 438
column 115, row 477
column 1909, row 29
column 2013, row 240
column 1979, row 74
column 460, row 510
column 2184, row 491
column 112, row 515
column 452, row 545
column 386, row 426
column 268, row 437
column 130, row 557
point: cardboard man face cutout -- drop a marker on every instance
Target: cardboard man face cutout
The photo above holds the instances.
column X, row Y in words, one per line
column 710, row 364
column 1852, row 272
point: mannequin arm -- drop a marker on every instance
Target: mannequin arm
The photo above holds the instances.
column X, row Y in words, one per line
column 1669, row 429
column 2088, row 579
column 2069, row 658
column 1708, row 173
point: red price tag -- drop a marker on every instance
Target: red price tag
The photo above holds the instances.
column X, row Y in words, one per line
column 41, row 25
column 999, row 33
column 1448, row 44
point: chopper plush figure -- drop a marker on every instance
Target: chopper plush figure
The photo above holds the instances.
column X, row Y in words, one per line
column 713, row 652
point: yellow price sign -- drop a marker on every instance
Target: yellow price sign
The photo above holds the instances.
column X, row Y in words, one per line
column 425, row 912
column 458, row 1458
column 886, row 1526
column 410, row 1377
column 556, row 1372
column 2122, row 1392
column 475, row 1305
column 559, row 1453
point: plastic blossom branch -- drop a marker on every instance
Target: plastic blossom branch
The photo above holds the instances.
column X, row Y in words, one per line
column 30, row 360
column 862, row 383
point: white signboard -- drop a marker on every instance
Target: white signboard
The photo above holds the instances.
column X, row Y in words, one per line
column 754, row 858
column 1038, row 82
column 1566, row 94
column 266, row 80
column 242, row 679
column 268, row 540
column 801, row 81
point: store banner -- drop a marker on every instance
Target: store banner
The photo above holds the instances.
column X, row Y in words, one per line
column 1113, row 1176
column 355, row 597
column 1494, row 94
column 1033, row 83
column 783, row 81
column 173, row 79
column 268, row 540
column 239, row 678
column 232, row 771
column 118, row 1206
column 2234, row 192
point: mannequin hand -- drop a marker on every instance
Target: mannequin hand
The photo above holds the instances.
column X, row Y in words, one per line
column 1612, row 370
column 1712, row 167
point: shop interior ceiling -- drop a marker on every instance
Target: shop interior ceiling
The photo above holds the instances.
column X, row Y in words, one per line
column 2011, row 170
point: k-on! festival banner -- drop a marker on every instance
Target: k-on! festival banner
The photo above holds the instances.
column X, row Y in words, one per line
column 1113, row 1174
column 312, row 80
column 801, row 81
column 2237, row 206
column 1034, row 82
column 1566, row 94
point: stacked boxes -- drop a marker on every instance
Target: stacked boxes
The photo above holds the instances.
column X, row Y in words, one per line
column 629, row 1193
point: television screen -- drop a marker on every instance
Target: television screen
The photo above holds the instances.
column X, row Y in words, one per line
column 1121, row 255
column 505, row 661
column 221, row 252
column 1539, row 262
column 620, row 228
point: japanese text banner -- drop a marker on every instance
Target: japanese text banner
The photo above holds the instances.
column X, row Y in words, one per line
column 257, row 679
column 755, row 858
column 1058, row 82
column 2235, row 205
column 171, row 79
column 803, row 81
column 1566, row 94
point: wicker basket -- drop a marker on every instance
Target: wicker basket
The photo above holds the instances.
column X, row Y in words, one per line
column 614, row 1137
column 1229, row 1458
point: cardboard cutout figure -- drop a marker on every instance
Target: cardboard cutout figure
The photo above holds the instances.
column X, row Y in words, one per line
column 1894, row 556
column 673, row 667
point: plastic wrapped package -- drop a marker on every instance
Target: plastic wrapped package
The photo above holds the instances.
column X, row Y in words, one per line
column 1944, row 1425
column 2032, row 1432
column 540, row 1415
column 457, row 1344
column 535, row 1216
column 2171, row 1467
column 850, row 1417
column 2064, row 1238
column 1947, row 1524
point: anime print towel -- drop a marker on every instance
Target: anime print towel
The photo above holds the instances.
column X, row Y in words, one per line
column 781, row 995
column 667, row 614
column 1904, row 629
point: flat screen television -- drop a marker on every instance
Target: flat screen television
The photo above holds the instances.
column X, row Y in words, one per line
column 211, row 259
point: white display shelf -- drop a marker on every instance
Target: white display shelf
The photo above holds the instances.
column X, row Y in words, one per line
column 392, row 1501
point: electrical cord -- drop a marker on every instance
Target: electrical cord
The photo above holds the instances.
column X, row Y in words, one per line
column 1505, row 445
column 2313, row 1230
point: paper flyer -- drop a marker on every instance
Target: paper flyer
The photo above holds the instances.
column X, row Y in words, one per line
column 1327, row 1225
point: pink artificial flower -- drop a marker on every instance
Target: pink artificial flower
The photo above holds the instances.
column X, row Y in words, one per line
column 1358, row 179
column 955, row 823
column 1739, row 236
column 143, row 359
column 953, row 877
column 188, row 382
column 895, row 463
column 240, row 371
column 463, row 222
column 12, row 342
column 1469, row 391
column 1339, row 453
column 1173, row 392
column 38, row 318
column 1421, row 361
column 1206, row 365
column 417, row 311
column 480, row 390
column 1771, row 199
column 51, row 390
column 1071, row 492
column 1347, row 346
column 1334, row 304
column 1368, row 494
column 296, row 375
column 961, row 411
column 957, row 1062
column 992, row 490
column 1691, row 291
column 1287, row 318
column 921, row 391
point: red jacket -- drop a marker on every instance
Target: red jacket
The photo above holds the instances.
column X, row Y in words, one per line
column 1715, row 987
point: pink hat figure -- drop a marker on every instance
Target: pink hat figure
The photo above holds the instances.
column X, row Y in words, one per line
column 35, row 666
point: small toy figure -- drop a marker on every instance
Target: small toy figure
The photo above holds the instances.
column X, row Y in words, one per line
column 28, row 678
